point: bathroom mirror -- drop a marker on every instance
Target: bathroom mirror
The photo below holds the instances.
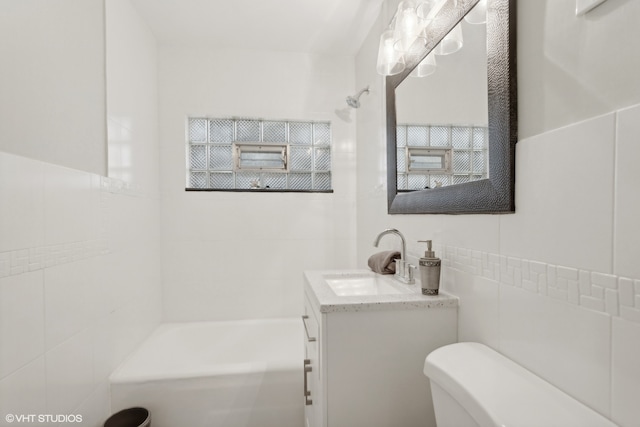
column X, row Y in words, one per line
column 488, row 192
column 453, row 129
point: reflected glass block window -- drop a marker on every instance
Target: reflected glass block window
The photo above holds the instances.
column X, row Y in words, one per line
column 467, row 145
column 245, row 153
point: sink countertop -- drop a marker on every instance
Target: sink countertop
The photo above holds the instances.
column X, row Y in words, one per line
column 327, row 301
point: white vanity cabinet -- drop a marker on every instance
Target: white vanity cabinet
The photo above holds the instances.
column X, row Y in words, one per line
column 313, row 392
column 367, row 354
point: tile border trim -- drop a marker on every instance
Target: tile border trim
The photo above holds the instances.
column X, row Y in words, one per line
column 25, row 260
column 606, row 293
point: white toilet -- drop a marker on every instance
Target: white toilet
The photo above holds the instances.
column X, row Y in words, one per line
column 474, row 386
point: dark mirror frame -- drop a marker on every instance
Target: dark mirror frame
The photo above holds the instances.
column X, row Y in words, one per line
column 487, row 196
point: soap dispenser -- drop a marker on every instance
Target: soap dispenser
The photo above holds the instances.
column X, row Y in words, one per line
column 429, row 271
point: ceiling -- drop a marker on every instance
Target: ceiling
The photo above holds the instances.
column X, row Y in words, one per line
column 336, row 27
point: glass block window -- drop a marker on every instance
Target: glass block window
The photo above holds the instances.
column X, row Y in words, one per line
column 245, row 153
column 467, row 146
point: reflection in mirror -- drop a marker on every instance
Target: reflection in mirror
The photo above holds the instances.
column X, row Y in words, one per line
column 466, row 106
column 446, row 110
column 426, row 160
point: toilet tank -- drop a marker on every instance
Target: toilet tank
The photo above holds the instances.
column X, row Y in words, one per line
column 473, row 385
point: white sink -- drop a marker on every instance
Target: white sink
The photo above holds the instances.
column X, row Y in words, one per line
column 363, row 284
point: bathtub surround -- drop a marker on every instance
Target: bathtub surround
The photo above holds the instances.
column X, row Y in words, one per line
column 210, row 238
column 553, row 286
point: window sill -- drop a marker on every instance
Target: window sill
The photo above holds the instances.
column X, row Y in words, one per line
column 256, row 190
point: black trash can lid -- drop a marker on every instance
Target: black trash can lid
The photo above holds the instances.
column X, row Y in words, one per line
column 132, row 417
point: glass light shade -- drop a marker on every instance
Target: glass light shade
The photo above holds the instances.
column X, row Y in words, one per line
column 428, row 9
column 426, row 67
column 390, row 61
column 409, row 28
column 451, row 43
column 477, row 15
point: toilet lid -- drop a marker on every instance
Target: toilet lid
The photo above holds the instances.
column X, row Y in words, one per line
column 498, row 392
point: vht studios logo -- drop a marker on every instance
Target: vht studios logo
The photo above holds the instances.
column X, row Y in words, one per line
column 43, row 418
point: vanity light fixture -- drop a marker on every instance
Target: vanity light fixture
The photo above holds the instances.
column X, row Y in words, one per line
column 409, row 29
column 390, row 61
column 451, row 43
column 428, row 9
column 406, row 36
column 477, row 15
column 425, row 67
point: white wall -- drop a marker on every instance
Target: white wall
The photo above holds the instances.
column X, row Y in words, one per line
column 79, row 254
column 239, row 255
column 132, row 98
column 52, row 74
column 575, row 68
column 554, row 286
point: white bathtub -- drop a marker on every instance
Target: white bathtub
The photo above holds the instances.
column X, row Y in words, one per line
column 216, row 374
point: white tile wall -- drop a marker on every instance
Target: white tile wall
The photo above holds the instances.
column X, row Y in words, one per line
column 625, row 385
column 555, row 285
column 69, row 373
column 627, row 196
column 240, row 255
column 557, row 319
column 71, row 310
column 80, row 280
column 95, row 406
column 68, row 192
column 24, row 391
column 552, row 307
column 21, row 320
column 536, row 327
column 68, row 300
column 564, row 177
column 478, row 313
column 561, row 79
column 577, row 335
column 132, row 98
column 544, row 334
column 539, row 323
column 22, row 209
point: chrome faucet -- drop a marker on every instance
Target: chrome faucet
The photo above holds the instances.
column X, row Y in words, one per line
column 404, row 270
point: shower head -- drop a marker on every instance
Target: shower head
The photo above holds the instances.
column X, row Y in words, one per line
column 354, row 101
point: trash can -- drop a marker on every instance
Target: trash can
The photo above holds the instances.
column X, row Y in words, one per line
column 132, row 417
